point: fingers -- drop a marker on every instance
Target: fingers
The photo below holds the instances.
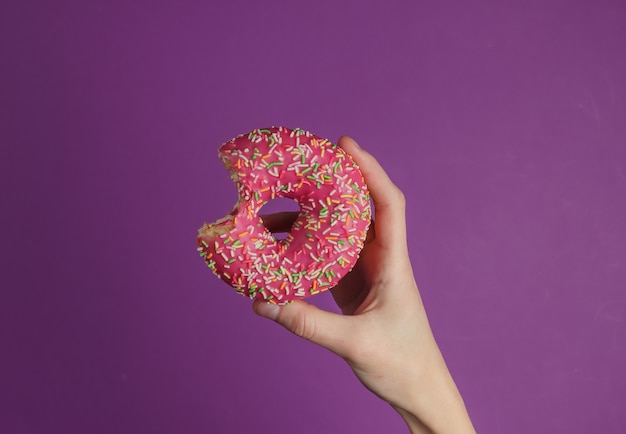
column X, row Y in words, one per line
column 324, row 328
column 389, row 203
column 279, row 222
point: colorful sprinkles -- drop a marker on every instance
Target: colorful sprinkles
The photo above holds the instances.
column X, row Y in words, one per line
column 325, row 240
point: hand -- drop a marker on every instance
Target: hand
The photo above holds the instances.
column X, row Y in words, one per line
column 383, row 333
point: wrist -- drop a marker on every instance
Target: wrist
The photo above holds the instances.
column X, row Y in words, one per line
column 445, row 421
column 436, row 406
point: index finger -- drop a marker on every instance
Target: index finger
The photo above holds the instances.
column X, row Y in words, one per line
column 389, row 202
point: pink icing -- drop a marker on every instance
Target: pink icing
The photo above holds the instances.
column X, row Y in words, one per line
column 326, row 238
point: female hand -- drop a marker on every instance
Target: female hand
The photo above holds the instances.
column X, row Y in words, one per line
column 383, row 333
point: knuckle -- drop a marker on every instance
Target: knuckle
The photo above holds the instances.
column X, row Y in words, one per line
column 400, row 197
column 303, row 326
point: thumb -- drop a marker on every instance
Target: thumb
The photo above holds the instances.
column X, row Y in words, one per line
column 327, row 329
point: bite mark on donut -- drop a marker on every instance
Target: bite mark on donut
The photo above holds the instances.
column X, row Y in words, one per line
column 225, row 224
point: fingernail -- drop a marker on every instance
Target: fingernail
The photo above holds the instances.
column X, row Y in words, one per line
column 267, row 310
column 353, row 141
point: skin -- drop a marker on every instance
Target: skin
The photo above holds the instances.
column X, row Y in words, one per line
column 383, row 332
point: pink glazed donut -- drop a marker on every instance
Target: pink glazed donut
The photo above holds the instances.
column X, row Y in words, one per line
column 325, row 240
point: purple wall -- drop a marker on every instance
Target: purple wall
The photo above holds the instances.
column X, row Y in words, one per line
column 504, row 125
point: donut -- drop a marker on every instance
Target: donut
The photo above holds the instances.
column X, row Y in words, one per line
column 327, row 236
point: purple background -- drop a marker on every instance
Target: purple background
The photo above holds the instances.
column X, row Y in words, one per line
column 504, row 123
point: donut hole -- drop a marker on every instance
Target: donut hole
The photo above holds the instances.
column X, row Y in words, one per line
column 274, row 219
